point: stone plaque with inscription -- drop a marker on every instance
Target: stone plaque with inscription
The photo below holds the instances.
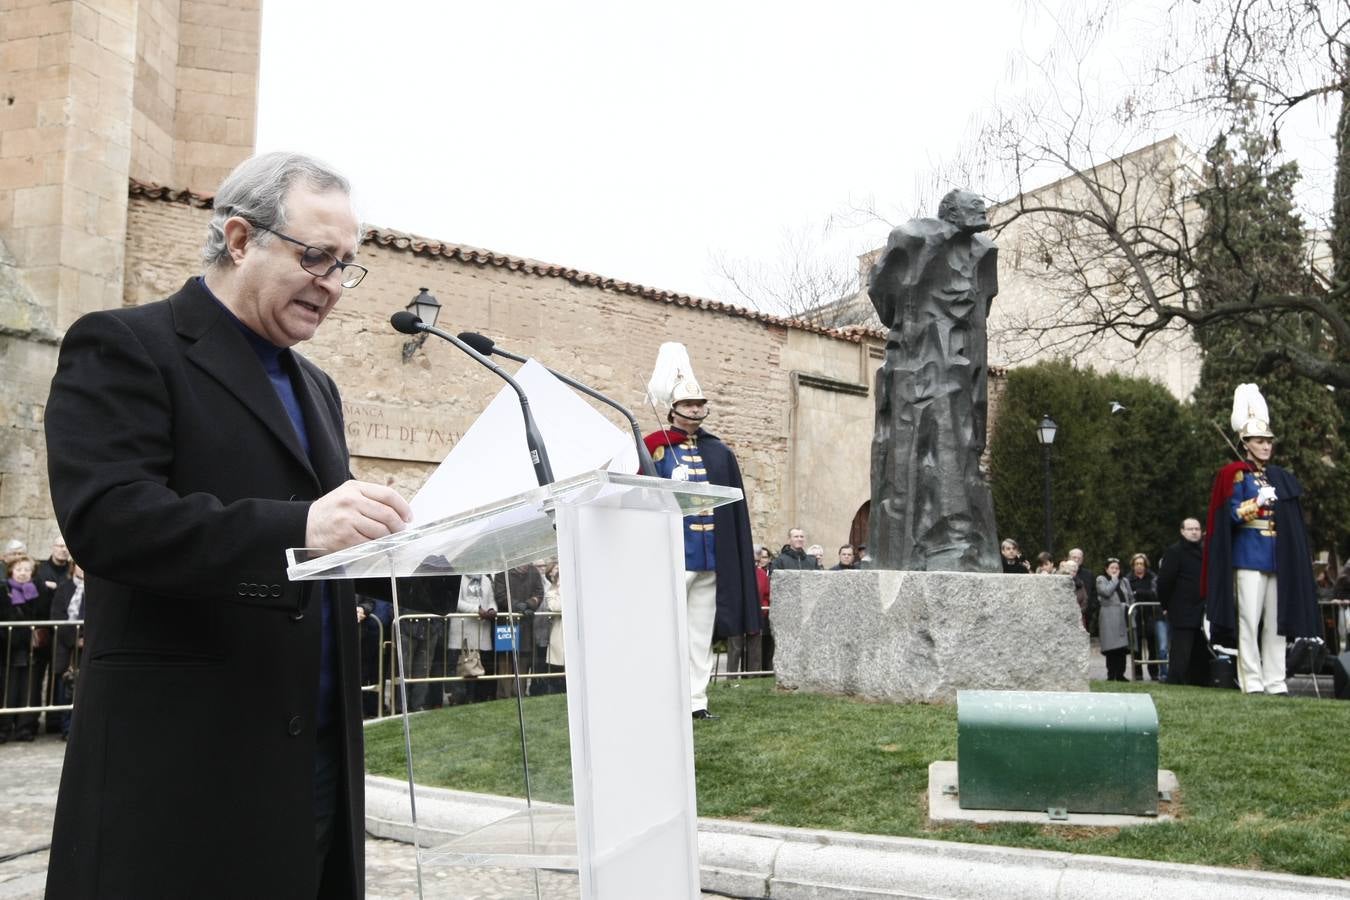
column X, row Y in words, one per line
column 383, row 431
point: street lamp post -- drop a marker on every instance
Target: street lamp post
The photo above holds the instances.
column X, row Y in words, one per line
column 1045, row 434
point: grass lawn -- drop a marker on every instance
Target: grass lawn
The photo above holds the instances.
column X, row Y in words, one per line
column 1265, row 781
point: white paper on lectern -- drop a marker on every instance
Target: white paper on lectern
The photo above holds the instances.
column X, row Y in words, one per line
column 491, row 461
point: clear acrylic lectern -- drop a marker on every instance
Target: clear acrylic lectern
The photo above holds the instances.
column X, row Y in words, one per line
column 621, row 559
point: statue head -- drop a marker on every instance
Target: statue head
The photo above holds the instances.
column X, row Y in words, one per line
column 965, row 210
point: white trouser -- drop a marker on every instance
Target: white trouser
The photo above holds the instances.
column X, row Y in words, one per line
column 700, row 590
column 1261, row 670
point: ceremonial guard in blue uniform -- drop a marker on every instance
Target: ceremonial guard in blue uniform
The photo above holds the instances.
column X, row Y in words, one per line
column 722, row 596
column 1256, row 551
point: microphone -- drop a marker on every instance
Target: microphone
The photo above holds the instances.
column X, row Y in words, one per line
column 407, row 322
column 486, row 346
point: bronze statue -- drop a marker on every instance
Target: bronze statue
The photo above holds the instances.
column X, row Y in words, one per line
column 933, row 286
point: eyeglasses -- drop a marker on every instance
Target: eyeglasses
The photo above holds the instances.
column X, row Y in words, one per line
column 319, row 262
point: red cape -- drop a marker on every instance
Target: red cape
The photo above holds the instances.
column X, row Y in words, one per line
column 659, row 439
column 1218, row 504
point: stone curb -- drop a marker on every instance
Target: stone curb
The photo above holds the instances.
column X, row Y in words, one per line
column 769, row 862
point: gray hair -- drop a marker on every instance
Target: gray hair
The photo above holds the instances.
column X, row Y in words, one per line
column 256, row 191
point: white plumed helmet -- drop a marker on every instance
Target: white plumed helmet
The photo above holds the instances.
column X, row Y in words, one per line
column 1251, row 417
column 673, row 378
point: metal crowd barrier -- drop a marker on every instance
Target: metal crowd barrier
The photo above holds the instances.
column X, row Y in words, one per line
column 383, row 686
column 1340, row 624
column 374, row 688
column 1334, row 636
column 434, row 668
column 46, row 691
column 1137, row 640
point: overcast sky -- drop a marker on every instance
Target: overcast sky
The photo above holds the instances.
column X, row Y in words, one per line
column 638, row 140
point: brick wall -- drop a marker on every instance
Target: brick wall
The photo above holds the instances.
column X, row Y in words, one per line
column 605, row 337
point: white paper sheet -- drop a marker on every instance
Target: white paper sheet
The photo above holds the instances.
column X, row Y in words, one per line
column 491, row 461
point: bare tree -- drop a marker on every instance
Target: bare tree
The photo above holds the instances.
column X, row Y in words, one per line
column 804, row 281
column 1114, row 234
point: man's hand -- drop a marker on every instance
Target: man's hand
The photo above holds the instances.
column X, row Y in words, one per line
column 354, row 513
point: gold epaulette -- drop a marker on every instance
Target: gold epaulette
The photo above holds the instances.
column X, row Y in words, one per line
column 1237, row 476
column 659, row 454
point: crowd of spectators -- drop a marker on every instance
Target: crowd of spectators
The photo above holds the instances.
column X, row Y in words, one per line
column 1156, row 616
column 39, row 661
column 449, row 618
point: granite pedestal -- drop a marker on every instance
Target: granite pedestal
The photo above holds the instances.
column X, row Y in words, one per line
column 922, row 636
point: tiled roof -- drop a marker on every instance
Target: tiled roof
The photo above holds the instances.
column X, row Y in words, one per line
column 398, row 240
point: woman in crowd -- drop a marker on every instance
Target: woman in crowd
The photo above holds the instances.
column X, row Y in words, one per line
column 475, row 598
column 556, row 657
column 1013, row 563
column 1113, row 595
column 1151, row 626
column 763, row 561
column 21, row 606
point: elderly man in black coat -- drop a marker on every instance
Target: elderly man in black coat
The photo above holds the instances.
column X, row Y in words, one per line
column 215, row 750
column 1183, row 604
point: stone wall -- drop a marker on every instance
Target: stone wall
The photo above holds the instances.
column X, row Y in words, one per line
column 794, row 403
column 92, row 93
column 215, row 115
column 155, row 96
column 28, row 359
column 65, row 149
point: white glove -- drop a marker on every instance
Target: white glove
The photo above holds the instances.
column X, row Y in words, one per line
column 1265, row 497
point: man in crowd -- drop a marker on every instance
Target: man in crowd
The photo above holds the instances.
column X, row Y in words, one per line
column 519, row 590
column 425, row 601
column 215, row 749
column 53, row 571
column 794, row 555
column 846, row 560
column 51, row 574
column 1183, row 605
column 719, row 562
column 1257, row 549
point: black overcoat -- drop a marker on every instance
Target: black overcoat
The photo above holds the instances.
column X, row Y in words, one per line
column 1179, row 585
column 179, row 481
column 737, row 592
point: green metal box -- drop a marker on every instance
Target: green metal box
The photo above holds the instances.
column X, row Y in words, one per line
column 1057, row 752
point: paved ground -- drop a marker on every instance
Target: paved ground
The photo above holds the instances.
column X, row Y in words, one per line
column 29, row 774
